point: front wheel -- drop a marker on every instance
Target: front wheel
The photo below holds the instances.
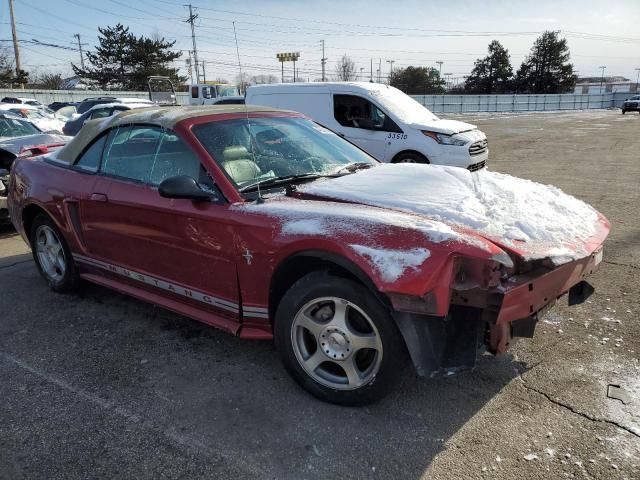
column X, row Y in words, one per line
column 410, row 157
column 52, row 255
column 337, row 340
column 624, row 111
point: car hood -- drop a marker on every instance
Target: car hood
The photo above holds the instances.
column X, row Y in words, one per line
column 529, row 220
column 448, row 127
column 15, row 144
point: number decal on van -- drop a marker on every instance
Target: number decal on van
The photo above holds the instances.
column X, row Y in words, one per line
column 397, row 136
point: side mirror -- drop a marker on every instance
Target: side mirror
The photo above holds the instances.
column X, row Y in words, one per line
column 183, row 187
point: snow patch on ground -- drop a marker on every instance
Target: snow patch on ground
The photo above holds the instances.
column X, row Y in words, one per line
column 391, row 264
column 527, row 215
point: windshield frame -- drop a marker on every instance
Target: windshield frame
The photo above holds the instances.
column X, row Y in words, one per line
column 216, row 166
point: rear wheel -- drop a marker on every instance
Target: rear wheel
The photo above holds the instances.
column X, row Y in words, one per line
column 410, row 157
column 624, row 111
column 52, row 255
column 337, row 340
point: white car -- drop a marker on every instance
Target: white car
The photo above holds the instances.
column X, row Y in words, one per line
column 47, row 122
column 382, row 120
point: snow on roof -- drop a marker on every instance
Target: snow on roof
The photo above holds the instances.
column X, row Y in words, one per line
column 517, row 212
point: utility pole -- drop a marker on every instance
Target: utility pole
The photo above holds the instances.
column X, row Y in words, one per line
column 390, row 62
column 439, row 62
column 379, row 68
column 323, row 61
column 204, row 73
column 637, row 78
column 602, row 76
column 77, row 35
column 371, row 77
column 362, row 75
column 446, row 82
column 16, row 50
column 192, row 18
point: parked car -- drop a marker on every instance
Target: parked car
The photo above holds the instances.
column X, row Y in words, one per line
column 45, row 122
column 269, row 226
column 55, row 106
column 88, row 103
column 101, row 110
column 382, row 120
column 20, row 137
column 22, row 100
column 631, row 104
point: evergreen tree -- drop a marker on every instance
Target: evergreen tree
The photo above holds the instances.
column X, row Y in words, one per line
column 547, row 69
column 491, row 74
column 124, row 61
column 417, row 80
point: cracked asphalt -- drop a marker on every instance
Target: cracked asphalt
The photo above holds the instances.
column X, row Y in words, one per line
column 98, row 385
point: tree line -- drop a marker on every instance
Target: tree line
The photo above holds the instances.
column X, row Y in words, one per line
column 545, row 70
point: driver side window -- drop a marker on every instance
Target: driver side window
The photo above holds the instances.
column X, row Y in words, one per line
column 353, row 111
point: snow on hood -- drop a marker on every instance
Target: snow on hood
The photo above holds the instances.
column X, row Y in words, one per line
column 537, row 220
column 448, row 127
column 330, row 218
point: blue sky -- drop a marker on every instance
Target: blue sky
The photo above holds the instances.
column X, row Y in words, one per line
column 410, row 32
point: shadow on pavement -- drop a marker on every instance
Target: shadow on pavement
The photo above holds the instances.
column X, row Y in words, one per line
column 208, row 391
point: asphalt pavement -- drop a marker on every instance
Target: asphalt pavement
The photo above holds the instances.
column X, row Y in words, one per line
column 99, row 385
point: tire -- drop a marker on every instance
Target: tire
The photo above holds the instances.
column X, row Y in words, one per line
column 624, row 111
column 52, row 255
column 307, row 315
column 410, row 157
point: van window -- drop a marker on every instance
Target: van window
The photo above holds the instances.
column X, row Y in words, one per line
column 194, row 91
column 356, row 112
column 208, row 92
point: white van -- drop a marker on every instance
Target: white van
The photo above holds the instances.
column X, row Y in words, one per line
column 383, row 121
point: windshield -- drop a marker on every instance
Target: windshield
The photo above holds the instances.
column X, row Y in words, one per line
column 402, row 106
column 14, row 127
column 228, row 91
column 266, row 148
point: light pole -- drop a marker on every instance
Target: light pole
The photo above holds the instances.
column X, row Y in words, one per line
column 602, row 77
column 439, row 67
column 390, row 62
column 637, row 78
column 361, row 74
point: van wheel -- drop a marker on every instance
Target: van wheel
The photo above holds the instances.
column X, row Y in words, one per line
column 624, row 111
column 337, row 340
column 410, row 157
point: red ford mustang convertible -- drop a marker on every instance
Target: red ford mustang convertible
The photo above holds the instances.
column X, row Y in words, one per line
column 267, row 225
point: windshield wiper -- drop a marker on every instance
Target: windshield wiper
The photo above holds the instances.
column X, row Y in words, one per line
column 268, row 182
column 352, row 167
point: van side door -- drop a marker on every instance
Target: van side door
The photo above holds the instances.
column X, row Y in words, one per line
column 363, row 123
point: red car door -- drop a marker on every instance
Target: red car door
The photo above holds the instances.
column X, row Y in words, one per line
column 176, row 247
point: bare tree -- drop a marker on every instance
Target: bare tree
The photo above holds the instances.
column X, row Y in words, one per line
column 263, row 78
column 50, row 81
column 345, row 69
column 243, row 82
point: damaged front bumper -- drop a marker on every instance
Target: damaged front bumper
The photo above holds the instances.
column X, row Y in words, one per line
column 491, row 317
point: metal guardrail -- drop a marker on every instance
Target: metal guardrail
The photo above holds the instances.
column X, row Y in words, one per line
column 518, row 102
column 435, row 103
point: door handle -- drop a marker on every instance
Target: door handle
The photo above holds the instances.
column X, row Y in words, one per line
column 99, row 197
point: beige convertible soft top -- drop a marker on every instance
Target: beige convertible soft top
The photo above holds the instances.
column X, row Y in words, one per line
column 166, row 117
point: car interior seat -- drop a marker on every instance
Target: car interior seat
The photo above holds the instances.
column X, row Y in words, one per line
column 237, row 163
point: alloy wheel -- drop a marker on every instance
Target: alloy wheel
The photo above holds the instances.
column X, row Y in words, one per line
column 336, row 343
column 50, row 253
